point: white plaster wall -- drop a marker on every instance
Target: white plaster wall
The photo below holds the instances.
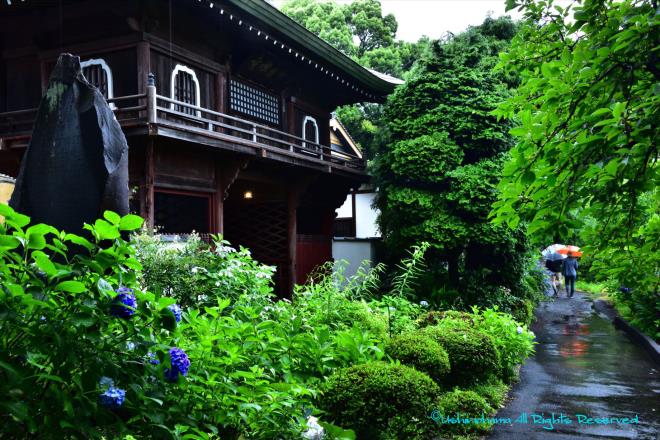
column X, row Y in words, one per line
column 345, row 210
column 353, row 251
column 366, row 215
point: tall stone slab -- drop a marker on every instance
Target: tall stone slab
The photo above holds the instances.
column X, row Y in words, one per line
column 76, row 165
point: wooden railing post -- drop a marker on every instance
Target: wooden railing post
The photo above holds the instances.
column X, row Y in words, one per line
column 151, row 99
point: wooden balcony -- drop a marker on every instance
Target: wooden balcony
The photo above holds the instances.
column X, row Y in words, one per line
column 155, row 115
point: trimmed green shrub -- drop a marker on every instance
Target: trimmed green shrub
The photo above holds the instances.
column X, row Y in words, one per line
column 462, row 404
column 494, row 392
column 359, row 313
column 513, row 342
column 472, row 355
column 420, row 351
column 381, row 401
column 435, row 316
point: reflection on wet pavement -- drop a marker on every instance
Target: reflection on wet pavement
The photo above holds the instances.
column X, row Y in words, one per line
column 583, row 369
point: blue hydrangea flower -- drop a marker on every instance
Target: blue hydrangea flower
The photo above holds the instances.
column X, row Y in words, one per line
column 153, row 360
column 180, row 364
column 424, row 303
column 124, row 304
column 176, row 311
column 113, row 397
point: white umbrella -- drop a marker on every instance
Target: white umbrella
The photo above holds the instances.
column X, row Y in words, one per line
column 552, row 249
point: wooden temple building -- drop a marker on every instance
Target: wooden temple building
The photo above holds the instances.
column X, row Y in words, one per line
column 226, row 106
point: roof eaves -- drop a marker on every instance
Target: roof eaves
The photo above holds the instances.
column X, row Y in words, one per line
column 268, row 14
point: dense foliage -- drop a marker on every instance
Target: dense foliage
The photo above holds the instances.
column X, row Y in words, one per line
column 382, row 401
column 585, row 167
column 193, row 274
column 513, row 341
column 465, row 404
column 420, row 352
column 88, row 350
column 437, row 177
column 473, row 357
column 359, row 30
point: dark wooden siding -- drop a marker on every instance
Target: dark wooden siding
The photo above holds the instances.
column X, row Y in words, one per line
column 122, row 63
column 162, row 66
column 22, row 83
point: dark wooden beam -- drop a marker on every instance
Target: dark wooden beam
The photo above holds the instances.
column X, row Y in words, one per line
column 149, row 183
column 294, row 195
column 190, row 57
column 226, row 173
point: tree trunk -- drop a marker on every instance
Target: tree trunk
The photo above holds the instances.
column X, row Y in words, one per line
column 454, row 278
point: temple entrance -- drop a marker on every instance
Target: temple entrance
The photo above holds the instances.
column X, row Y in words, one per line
column 256, row 216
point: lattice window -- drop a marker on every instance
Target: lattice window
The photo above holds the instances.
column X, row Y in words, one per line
column 98, row 73
column 254, row 102
column 310, row 131
column 185, row 88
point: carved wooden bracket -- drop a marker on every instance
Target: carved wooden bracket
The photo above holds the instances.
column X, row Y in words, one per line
column 230, row 172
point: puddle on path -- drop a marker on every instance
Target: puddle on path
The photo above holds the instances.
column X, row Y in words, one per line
column 583, row 365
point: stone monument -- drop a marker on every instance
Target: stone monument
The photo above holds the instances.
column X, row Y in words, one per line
column 76, row 165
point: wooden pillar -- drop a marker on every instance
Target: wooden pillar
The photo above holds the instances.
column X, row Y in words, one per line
column 293, row 196
column 143, row 65
column 219, row 199
column 221, row 91
column 149, row 173
column 143, row 69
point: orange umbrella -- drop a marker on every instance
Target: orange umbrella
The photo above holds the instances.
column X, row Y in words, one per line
column 566, row 249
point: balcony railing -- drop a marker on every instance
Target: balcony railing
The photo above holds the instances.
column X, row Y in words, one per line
column 151, row 108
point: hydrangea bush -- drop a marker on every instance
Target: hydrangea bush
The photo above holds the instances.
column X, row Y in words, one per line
column 195, row 274
column 93, row 347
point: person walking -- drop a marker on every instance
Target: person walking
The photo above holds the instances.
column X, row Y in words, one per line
column 569, row 270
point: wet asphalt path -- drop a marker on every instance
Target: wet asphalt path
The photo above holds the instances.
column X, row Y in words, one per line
column 582, row 365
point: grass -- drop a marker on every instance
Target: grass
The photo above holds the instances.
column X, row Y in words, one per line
column 595, row 290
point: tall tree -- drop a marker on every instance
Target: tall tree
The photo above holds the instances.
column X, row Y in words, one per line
column 326, row 19
column 372, row 29
column 587, row 113
column 437, row 178
column 358, row 29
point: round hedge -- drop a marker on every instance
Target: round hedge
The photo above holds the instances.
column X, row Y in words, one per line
column 472, row 355
column 381, row 401
column 463, row 404
column 422, row 352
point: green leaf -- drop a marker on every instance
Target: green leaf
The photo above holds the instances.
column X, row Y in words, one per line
column 50, row 377
column 6, row 210
column 36, row 241
column 44, row 263
column 105, row 230
column 12, row 217
column 9, row 241
column 81, row 241
column 41, row 229
column 105, row 287
column 130, row 222
column 528, row 177
column 611, row 167
column 112, row 217
column 71, row 286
